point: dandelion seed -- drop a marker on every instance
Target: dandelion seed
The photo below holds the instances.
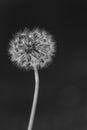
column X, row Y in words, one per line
column 32, row 49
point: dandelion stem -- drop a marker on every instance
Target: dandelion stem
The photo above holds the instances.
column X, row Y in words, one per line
column 30, row 125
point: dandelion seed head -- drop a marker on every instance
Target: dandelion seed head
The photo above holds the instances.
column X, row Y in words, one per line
column 29, row 49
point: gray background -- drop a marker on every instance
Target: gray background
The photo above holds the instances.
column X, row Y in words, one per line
column 62, row 101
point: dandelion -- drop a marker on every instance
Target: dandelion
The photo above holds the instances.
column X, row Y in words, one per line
column 32, row 50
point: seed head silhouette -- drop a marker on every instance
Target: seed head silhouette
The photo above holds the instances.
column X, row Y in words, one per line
column 32, row 50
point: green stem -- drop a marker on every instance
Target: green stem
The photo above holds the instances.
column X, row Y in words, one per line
column 32, row 115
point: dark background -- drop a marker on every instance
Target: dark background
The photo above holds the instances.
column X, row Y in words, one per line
column 62, row 101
